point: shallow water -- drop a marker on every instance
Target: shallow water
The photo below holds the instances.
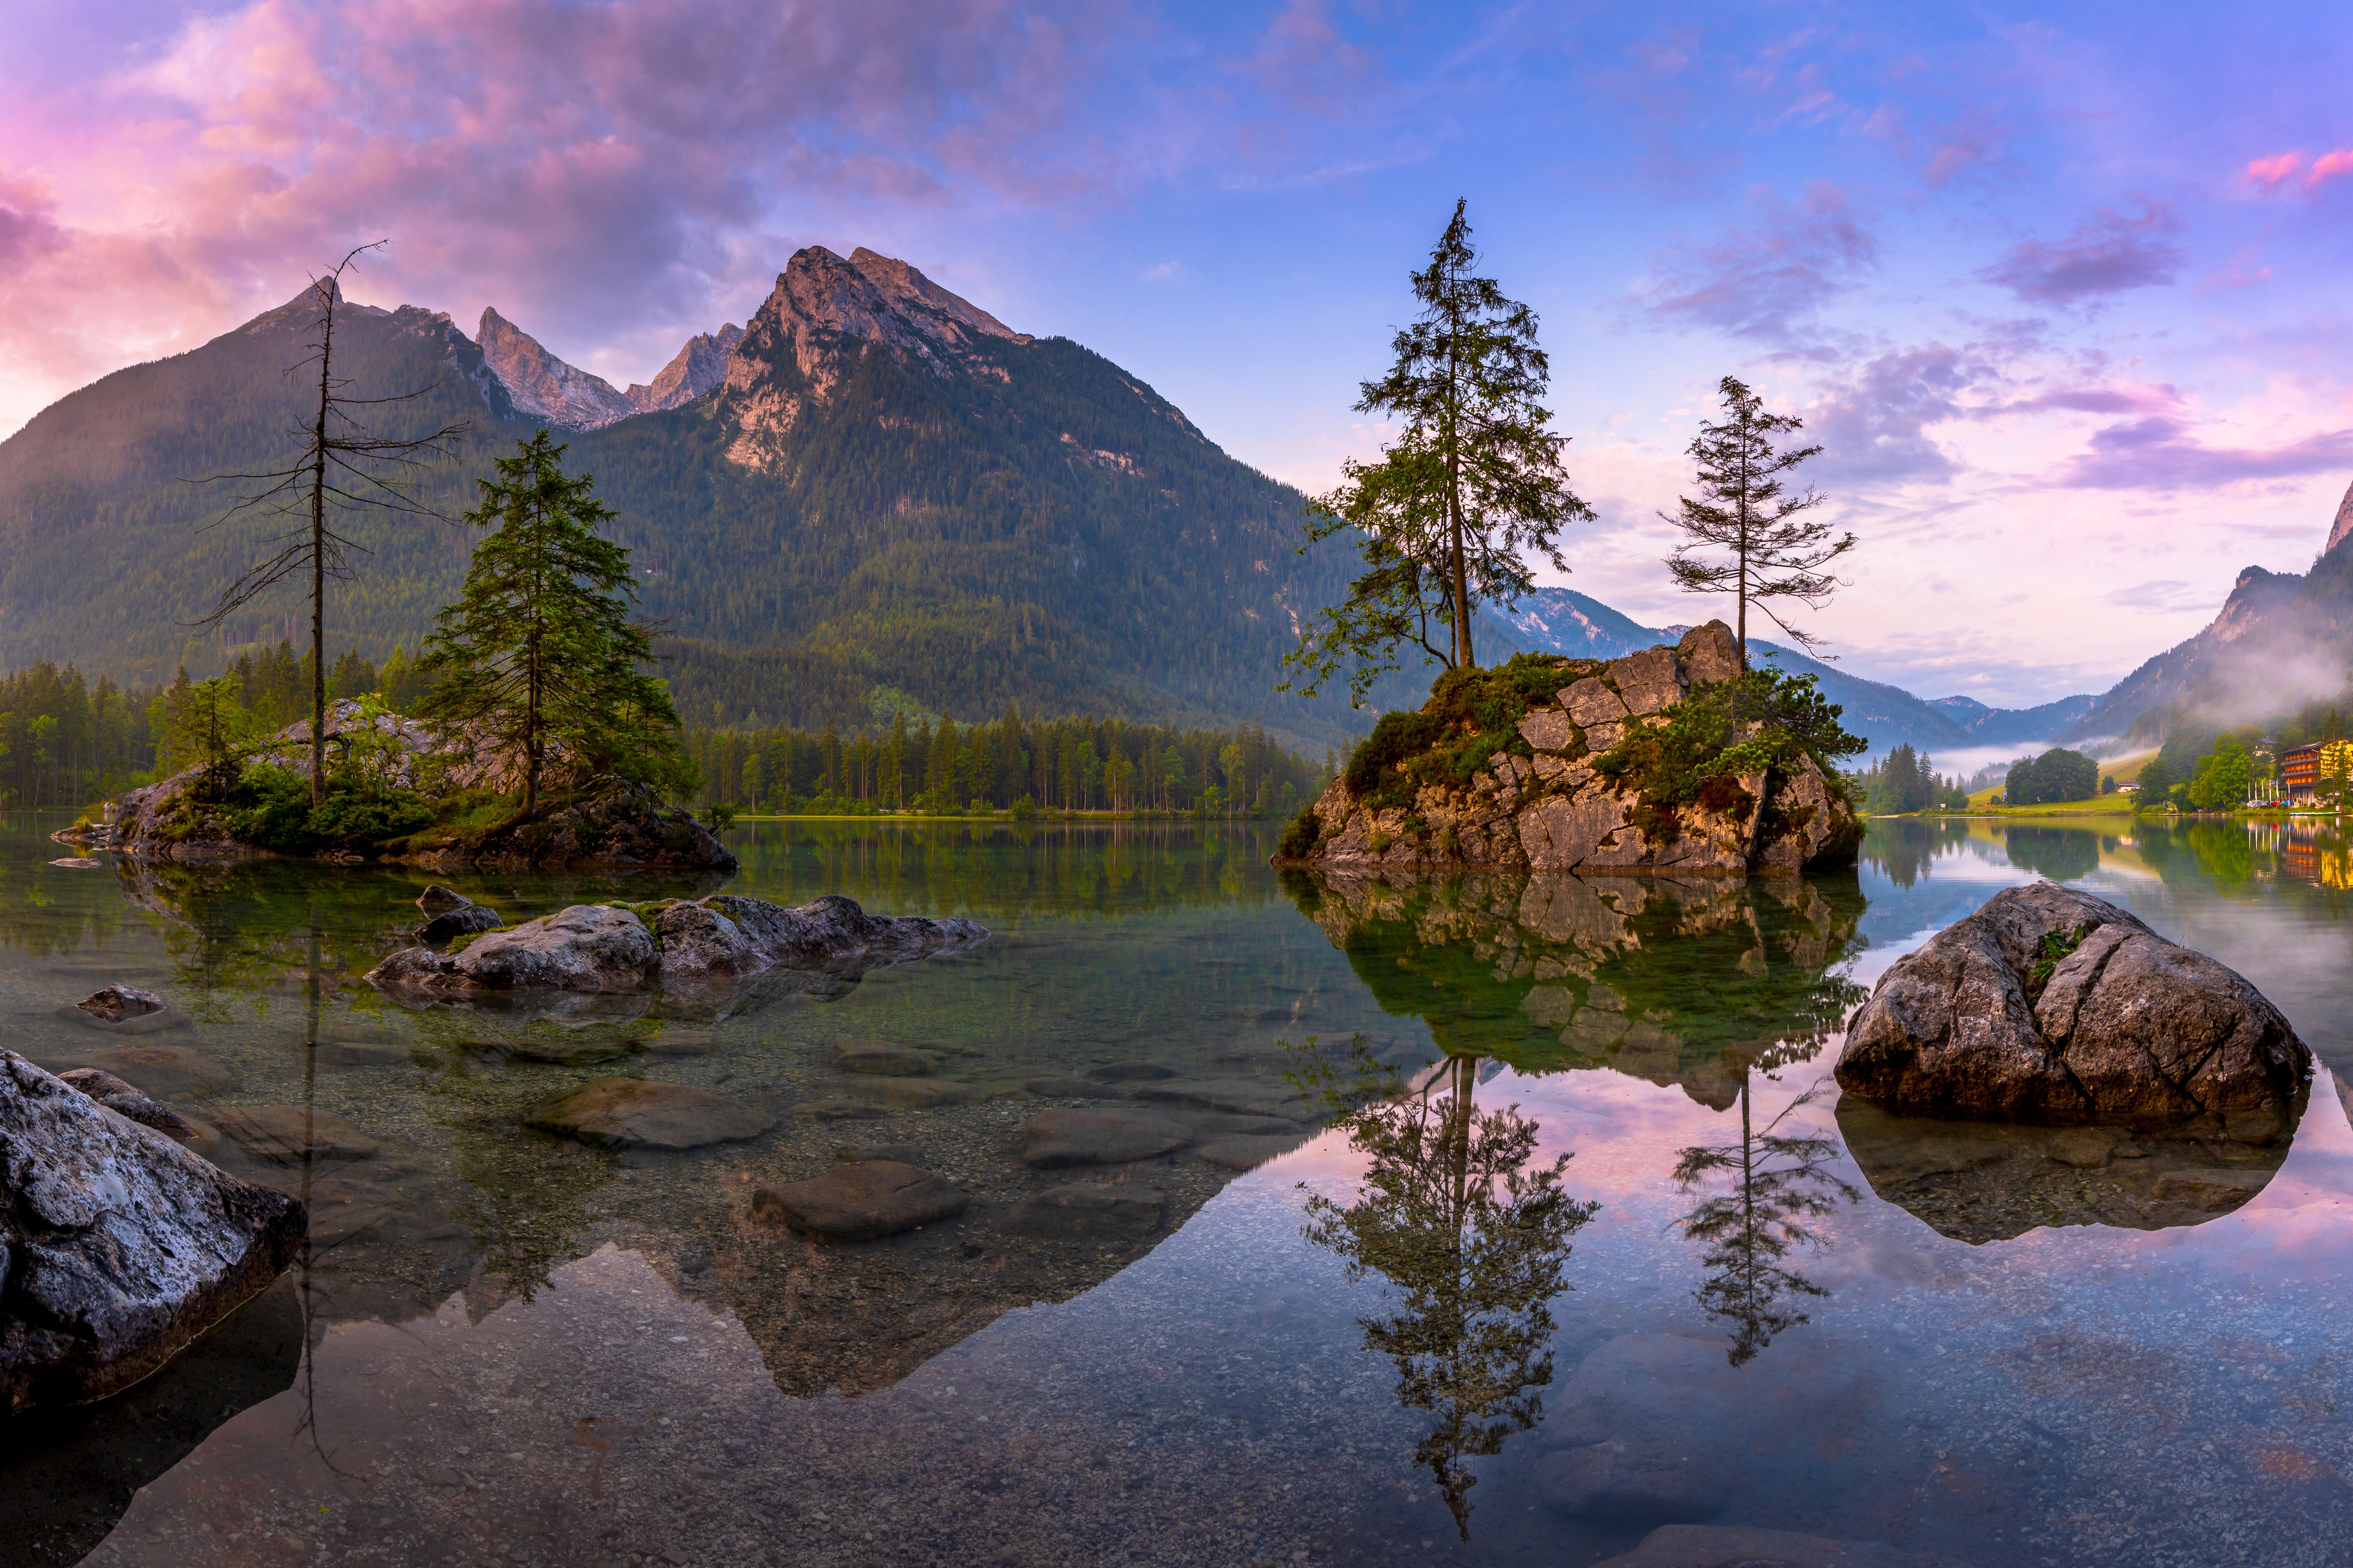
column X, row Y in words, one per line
column 2001, row 1348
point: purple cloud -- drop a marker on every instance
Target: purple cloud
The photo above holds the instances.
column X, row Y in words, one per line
column 2159, row 453
column 1874, row 424
column 2111, row 253
column 1760, row 280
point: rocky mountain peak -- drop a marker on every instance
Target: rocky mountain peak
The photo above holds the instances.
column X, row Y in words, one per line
column 544, row 388
column 2344, row 525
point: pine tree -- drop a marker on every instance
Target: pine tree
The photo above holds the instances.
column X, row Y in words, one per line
column 1777, row 552
column 1472, row 485
column 538, row 649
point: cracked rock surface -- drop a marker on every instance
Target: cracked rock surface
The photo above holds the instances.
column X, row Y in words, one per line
column 117, row 1245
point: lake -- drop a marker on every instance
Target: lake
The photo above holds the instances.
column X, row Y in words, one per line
column 1516, row 1218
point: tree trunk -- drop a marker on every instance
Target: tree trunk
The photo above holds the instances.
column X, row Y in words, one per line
column 319, row 563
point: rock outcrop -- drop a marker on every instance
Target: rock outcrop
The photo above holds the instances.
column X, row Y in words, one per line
column 1554, row 810
column 680, row 943
column 590, row 821
column 2051, row 1007
column 117, row 1245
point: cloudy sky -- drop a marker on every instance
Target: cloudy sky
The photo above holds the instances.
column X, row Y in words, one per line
column 2062, row 292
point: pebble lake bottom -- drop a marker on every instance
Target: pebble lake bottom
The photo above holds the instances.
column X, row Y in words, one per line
column 1743, row 1307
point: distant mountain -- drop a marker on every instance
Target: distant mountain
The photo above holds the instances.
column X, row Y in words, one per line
column 2281, row 640
column 873, row 494
column 1562, row 621
column 542, row 387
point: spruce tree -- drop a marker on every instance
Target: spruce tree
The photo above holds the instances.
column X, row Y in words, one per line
column 1775, row 550
column 539, row 649
column 1470, row 487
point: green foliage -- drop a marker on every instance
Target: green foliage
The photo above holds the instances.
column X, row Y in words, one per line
column 2056, row 946
column 2220, row 783
column 720, row 815
column 1298, row 841
column 1470, row 715
column 2055, row 776
column 1907, row 783
column 1763, row 722
column 270, row 806
column 539, row 652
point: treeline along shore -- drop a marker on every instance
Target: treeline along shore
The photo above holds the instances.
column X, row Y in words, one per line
column 66, row 742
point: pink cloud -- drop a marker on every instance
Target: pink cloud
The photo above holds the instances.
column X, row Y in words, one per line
column 608, row 164
column 2274, row 173
column 2113, row 251
column 2163, row 453
column 1762, row 280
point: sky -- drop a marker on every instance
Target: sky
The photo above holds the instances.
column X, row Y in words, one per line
column 2060, row 292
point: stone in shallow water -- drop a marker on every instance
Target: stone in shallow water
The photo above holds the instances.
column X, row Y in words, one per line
column 838, row 1111
column 854, row 1153
column 452, row 924
column 1641, row 1478
column 683, row 1043
column 124, row 1245
column 638, row 1112
column 281, row 1135
column 863, row 1200
column 1222, row 1124
column 887, row 1061
column 1087, row 1211
column 1745, row 1546
column 1129, row 1072
column 125, row 1099
column 436, row 899
column 557, row 1051
column 1243, row 1096
column 902, row 1094
column 1055, row 1139
column 172, row 1070
column 1244, row 1151
column 120, row 1003
column 361, row 1053
column 1069, row 1089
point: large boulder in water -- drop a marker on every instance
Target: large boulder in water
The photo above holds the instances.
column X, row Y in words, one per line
column 117, row 1245
column 2051, row 1007
column 683, row 944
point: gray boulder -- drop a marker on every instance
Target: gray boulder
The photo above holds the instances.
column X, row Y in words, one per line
column 466, row 920
column 1057, row 1139
column 683, row 944
column 642, row 1113
column 117, row 1245
column 438, row 900
column 1990, row 1022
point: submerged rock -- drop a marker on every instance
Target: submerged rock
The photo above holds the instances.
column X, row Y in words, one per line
column 117, row 1245
column 688, row 943
column 125, row 1099
column 121, row 1004
column 1055, row 1139
column 862, row 1201
column 1088, row 1212
column 438, row 900
column 637, row 1113
column 1746, row 1546
column 2051, row 1007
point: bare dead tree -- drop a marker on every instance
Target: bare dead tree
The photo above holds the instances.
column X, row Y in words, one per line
column 343, row 468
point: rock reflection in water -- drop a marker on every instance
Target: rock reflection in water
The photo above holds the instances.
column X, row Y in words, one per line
column 67, row 1475
column 1474, row 1241
column 1679, row 982
column 1987, row 1181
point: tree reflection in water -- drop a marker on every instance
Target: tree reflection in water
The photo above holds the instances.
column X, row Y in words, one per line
column 1473, row 1240
column 1779, row 1181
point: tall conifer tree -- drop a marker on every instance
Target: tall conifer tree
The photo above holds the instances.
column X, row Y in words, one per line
column 1472, row 486
column 1775, row 550
column 538, row 649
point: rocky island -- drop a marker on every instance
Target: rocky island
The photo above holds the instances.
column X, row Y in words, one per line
column 403, row 791
column 1671, row 759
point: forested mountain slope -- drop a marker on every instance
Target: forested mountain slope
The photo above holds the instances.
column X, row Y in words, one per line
column 892, row 495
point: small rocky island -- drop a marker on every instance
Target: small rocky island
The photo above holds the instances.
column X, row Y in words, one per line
column 1666, row 760
column 402, row 791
